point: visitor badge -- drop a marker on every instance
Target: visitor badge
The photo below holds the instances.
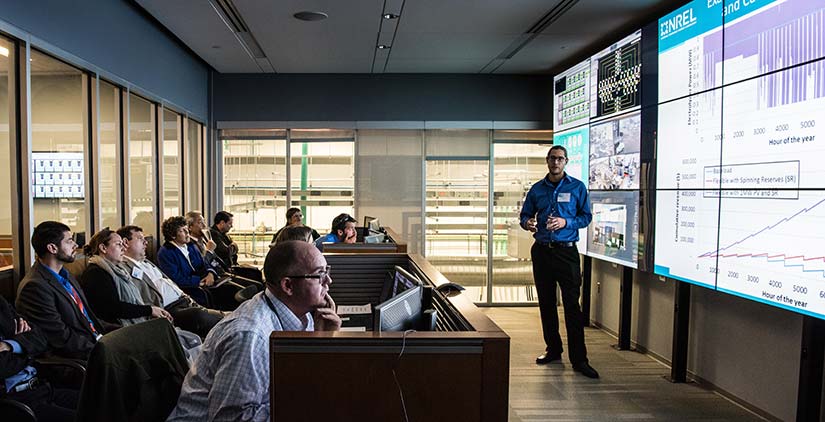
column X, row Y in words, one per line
column 564, row 197
column 137, row 272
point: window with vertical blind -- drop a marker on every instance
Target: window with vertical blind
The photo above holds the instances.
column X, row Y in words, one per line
column 142, row 171
column 171, row 161
column 109, row 153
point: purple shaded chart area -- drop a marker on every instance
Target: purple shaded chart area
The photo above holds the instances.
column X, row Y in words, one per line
column 778, row 36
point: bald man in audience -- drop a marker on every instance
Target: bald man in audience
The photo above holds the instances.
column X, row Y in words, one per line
column 230, row 378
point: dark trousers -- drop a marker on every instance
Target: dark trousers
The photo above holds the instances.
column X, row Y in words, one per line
column 560, row 265
column 49, row 404
column 192, row 317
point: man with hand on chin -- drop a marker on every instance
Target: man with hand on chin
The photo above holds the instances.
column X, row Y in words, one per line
column 555, row 208
column 343, row 231
column 230, row 378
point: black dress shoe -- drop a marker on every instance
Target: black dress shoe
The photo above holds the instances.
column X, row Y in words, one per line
column 548, row 357
column 585, row 369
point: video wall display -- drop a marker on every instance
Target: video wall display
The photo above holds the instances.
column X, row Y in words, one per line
column 613, row 233
column 598, row 100
column 57, row 175
column 577, row 144
column 740, row 181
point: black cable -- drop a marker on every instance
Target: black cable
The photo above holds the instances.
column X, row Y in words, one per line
column 395, row 376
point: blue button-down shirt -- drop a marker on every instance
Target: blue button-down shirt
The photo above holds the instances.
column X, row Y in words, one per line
column 63, row 278
column 568, row 199
column 24, row 375
column 329, row 238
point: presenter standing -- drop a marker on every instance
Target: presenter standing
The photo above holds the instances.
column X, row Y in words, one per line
column 555, row 208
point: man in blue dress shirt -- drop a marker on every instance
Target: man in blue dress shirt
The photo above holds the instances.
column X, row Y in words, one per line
column 555, row 208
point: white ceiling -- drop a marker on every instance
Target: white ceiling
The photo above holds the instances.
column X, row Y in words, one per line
column 430, row 36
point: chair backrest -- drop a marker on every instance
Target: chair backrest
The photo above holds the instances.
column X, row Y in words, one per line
column 134, row 374
column 13, row 410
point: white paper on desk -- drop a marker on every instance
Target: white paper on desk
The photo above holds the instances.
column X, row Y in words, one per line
column 352, row 329
column 354, row 309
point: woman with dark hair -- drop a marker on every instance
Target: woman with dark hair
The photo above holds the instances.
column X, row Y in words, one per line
column 294, row 218
column 113, row 294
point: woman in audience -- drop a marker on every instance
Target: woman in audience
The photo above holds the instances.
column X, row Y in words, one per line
column 294, row 218
column 112, row 292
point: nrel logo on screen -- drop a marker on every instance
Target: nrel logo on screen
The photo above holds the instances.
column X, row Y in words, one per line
column 677, row 23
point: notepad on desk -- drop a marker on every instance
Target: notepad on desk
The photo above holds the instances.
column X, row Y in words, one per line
column 354, row 309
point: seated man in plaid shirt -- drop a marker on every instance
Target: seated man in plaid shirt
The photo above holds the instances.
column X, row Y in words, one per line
column 230, row 378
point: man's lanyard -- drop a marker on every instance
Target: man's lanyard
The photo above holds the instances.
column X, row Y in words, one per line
column 275, row 311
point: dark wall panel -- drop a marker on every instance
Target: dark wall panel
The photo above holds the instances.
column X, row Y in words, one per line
column 386, row 97
column 117, row 37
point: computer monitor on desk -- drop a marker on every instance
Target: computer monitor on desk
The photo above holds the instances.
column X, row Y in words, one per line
column 405, row 305
column 401, row 312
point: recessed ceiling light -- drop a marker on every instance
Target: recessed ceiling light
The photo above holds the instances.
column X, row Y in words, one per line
column 383, row 47
column 390, row 16
column 310, row 16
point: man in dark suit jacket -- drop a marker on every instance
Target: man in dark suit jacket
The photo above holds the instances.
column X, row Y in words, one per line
column 225, row 248
column 19, row 342
column 52, row 299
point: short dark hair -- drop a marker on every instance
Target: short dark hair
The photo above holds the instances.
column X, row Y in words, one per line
column 126, row 231
column 281, row 260
column 222, row 216
column 556, row 148
column 340, row 222
column 46, row 233
column 290, row 212
column 100, row 238
column 170, row 227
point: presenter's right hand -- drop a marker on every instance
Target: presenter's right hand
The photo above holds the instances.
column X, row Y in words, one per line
column 209, row 280
column 531, row 225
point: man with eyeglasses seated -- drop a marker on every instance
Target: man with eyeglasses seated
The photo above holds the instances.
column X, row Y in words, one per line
column 159, row 290
column 230, row 378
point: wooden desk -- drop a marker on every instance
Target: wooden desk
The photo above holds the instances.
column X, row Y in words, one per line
column 460, row 373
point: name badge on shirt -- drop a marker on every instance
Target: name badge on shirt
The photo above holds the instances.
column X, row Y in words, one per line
column 564, row 197
column 137, row 272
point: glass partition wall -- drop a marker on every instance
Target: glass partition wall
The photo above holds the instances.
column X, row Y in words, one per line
column 59, row 141
column 254, row 189
column 7, row 246
column 432, row 187
column 84, row 151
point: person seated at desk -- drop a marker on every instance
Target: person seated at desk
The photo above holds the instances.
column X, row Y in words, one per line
column 111, row 290
column 343, row 231
column 294, row 218
column 50, row 297
column 158, row 290
column 230, row 378
column 19, row 342
column 182, row 262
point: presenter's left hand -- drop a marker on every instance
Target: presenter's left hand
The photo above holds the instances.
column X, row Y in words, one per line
column 325, row 318
column 557, row 223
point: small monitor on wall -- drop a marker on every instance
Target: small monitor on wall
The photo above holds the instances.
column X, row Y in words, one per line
column 58, row 175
